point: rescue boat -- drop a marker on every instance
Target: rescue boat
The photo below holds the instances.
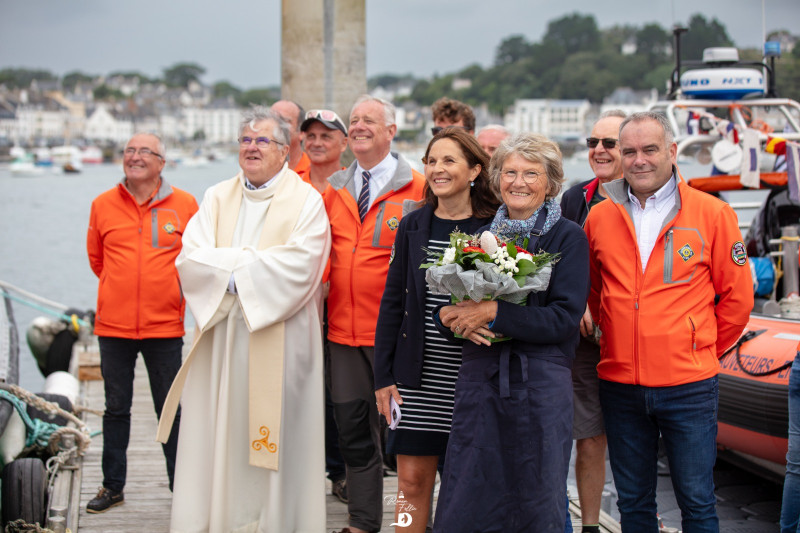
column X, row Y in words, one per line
column 710, row 108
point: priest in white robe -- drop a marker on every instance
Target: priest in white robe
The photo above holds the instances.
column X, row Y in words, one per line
column 251, row 448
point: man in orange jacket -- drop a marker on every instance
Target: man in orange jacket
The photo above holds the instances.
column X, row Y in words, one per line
column 134, row 237
column 364, row 205
column 670, row 291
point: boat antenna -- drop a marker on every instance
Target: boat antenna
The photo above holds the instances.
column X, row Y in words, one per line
column 674, row 81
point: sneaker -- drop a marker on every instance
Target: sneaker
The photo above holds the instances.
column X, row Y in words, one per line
column 105, row 500
column 339, row 489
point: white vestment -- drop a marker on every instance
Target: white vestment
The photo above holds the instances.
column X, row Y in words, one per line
column 216, row 489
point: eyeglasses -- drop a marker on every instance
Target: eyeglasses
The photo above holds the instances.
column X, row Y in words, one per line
column 608, row 143
column 437, row 129
column 261, row 142
column 144, row 152
column 529, row 176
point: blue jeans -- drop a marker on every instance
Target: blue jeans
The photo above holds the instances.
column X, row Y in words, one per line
column 162, row 357
column 686, row 418
column 790, row 510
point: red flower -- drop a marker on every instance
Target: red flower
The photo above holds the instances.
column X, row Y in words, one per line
column 470, row 249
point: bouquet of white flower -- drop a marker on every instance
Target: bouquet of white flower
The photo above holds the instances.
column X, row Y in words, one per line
column 486, row 268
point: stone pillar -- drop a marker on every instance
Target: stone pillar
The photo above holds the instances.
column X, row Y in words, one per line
column 323, row 53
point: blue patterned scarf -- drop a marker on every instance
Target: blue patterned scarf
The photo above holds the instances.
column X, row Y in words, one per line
column 507, row 229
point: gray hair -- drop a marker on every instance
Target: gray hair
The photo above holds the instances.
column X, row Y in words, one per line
column 536, row 149
column 660, row 118
column 494, row 127
column 389, row 111
column 259, row 113
column 162, row 149
column 612, row 113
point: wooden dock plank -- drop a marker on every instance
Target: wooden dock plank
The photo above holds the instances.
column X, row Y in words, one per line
column 147, row 496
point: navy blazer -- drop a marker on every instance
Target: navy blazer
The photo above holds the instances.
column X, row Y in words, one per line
column 548, row 327
column 400, row 333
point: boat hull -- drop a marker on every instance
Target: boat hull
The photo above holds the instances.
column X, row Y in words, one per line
column 753, row 410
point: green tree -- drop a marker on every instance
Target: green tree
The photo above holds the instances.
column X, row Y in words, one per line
column 223, row 89
column 787, row 75
column 616, row 36
column 258, row 96
column 511, row 49
column 703, row 34
column 471, row 72
column 106, row 93
column 574, row 33
column 131, row 74
column 658, row 77
column 21, row 78
column 653, row 43
column 590, row 75
column 181, row 74
column 387, row 80
column 71, row 79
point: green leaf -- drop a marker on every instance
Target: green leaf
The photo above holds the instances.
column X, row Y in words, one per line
column 525, row 267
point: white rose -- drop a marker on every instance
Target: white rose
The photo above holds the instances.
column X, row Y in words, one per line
column 449, row 256
column 524, row 255
column 488, row 242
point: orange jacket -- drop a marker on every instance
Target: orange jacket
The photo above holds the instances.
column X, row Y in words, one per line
column 661, row 327
column 132, row 250
column 306, row 176
column 302, row 166
column 360, row 252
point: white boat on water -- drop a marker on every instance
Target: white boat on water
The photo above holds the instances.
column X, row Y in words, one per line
column 91, row 155
column 67, row 158
column 43, row 156
column 25, row 166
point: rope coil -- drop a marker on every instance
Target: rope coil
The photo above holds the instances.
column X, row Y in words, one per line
column 42, row 434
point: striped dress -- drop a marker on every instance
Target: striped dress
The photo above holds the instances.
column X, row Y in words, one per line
column 427, row 412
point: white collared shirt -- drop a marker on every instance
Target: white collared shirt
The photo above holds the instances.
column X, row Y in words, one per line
column 648, row 220
column 380, row 175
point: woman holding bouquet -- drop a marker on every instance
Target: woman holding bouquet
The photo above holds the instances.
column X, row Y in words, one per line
column 413, row 363
column 511, row 436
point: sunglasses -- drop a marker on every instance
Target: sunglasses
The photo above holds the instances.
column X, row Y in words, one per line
column 608, row 143
column 324, row 114
column 437, row 129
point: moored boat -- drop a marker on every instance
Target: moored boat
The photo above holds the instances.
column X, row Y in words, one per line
column 25, row 166
column 35, row 431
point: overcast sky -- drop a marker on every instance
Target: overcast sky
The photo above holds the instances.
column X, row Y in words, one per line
column 239, row 41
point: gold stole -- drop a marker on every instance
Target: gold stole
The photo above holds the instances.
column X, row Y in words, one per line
column 266, row 352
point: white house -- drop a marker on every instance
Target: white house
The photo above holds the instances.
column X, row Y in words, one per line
column 103, row 125
column 217, row 124
column 560, row 120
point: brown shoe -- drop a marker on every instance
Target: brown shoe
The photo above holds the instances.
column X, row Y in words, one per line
column 105, row 500
column 339, row 489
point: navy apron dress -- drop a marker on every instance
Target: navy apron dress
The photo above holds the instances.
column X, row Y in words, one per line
column 507, row 460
